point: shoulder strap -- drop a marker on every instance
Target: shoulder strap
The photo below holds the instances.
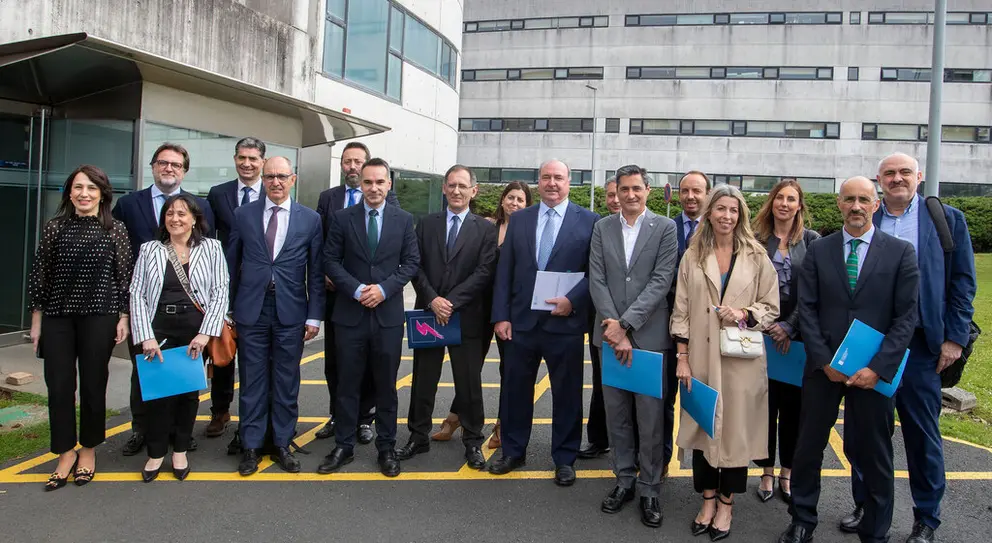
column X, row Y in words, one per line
column 181, row 273
column 939, row 218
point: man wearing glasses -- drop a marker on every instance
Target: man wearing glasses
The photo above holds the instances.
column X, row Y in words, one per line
column 140, row 212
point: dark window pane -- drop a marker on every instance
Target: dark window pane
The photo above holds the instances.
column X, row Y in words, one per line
column 496, row 124
column 797, row 73
column 471, row 27
column 739, row 128
column 541, row 125
column 585, row 21
column 490, row 75
column 468, row 75
column 333, row 48
column 513, row 74
column 824, row 73
column 602, row 21
column 835, row 17
column 852, row 73
column 721, row 18
column 875, row 17
column 657, row 73
column 687, row 127
column 748, row 18
column 661, row 127
column 518, row 125
column 833, row 130
column 636, row 126
column 537, row 73
column 869, row 131
column 613, row 125
column 718, row 73
column 855, row 18
column 657, row 20
column 712, row 128
column 396, row 31
column 395, row 81
column 776, row 18
column 744, row 73
column 517, row 25
column 421, row 45
column 633, row 73
column 585, row 73
column 771, row 73
column 365, row 61
column 978, row 18
column 632, row 20
column 565, row 125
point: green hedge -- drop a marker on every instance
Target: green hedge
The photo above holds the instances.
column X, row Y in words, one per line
column 823, row 209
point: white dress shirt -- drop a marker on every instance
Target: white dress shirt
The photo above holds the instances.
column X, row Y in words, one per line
column 159, row 198
column 378, row 220
column 253, row 193
column 461, row 222
column 862, row 247
column 348, row 195
column 630, row 234
column 282, row 219
column 542, row 217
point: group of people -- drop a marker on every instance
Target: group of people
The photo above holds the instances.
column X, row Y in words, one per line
column 152, row 268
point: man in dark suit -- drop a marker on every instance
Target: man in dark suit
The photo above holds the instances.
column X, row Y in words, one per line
column 278, row 299
column 858, row 273
column 370, row 255
column 349, row 194
column 140, row 211
column 225, row 199
column 946, row 309
column 457, row 263
column 553, row 236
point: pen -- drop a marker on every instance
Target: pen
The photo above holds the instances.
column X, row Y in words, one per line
column 164, row 341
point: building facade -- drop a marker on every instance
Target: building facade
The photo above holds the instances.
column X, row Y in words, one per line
column 749, row 92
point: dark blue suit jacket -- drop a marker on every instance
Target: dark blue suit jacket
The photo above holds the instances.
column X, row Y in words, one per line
column 223, row 199
column 948, row 291
column 349, row 264
column 136, row 212
column 884, row 298
column 297, row 270
column 517, row 271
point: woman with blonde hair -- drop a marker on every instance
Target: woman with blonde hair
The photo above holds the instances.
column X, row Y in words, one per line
column 725, row 280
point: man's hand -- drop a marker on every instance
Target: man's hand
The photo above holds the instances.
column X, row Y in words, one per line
column 442, row 308
column 834, row 375
column 949, row 352
column 564, row 306
column 865, row 378
column 328, row 284
column 777, row 333
column 504, row 331
column 624, row 351
column 613, row 333
column 371, row 296
column 310, row 332
column 783, row 346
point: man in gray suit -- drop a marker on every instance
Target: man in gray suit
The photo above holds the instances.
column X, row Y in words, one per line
column 632, row 263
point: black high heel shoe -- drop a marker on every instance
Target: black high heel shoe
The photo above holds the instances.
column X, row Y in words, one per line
column 765, row 495
column 717, row 534
column 181, row 474
column 150, row 475
column 786, row 494
column 55, row 482
column 698, row 528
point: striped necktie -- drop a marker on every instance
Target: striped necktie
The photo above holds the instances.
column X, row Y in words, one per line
column 852, row 264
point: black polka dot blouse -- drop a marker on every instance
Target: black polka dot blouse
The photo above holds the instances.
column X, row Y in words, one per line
column 81, row 268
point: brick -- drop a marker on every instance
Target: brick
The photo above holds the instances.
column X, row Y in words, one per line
column 959, row 399
column 20, row 378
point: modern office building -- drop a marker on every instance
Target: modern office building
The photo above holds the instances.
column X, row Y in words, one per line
column 750, row 92
column 105, row 82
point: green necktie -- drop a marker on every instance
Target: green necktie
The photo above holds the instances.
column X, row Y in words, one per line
column 373, row 232
column 852, row 264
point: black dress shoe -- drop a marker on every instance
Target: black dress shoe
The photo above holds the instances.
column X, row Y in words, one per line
column 388, row 464
column 234, row 447
column 616, row 499
column 150, row 475
column 181, row 474
column 850, row 523
column 921, row 534
column 474, row 458
column 411, row 449
column 507, row 464
column 134, row 444
column 564, row 475
column 796, row 534
column 334, row 461
column 593, row 450
column 365, row 434
column 286, row 460
column 651, row 512
column 326, row 431
column 249, row 462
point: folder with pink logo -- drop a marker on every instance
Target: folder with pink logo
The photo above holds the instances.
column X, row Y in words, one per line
column 424, row 331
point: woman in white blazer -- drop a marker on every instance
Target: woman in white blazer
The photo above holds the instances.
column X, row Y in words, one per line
column 172, row 276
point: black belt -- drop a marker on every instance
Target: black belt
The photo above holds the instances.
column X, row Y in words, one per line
column 173, row 309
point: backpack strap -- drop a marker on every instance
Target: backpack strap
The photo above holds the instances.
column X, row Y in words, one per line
column 939, row 218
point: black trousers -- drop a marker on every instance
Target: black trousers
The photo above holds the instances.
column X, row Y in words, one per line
column 596, row 425
column 89, row 341
column 466, row 369
column 170, row 420
column 222, row 388
column 869, row 421
column 136, row 404
column 671, row 391
column 367, row 345
column 366, row 405
column 485, row 351
column 726, row 481
column 784, row 404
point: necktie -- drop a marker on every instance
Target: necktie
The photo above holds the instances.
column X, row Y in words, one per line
column 270, row 232
column 852, row 264
column 351, row 197
column 452, row 235
column 547, row 240
column 246, row 197
column 373, row 232
column 692, row 230
column 159, row 203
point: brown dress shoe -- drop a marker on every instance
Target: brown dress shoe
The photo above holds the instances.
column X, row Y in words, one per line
column 448, row 428
column 495, row 442
column 218, row 422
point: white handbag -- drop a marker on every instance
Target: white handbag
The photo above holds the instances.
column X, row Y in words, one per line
column 738, row 343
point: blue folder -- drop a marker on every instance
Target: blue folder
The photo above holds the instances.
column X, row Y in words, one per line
column 700, row 404
column 788, row 367
column 646, row 374
column 423, row 330
column 177, row 374
column 860, row 345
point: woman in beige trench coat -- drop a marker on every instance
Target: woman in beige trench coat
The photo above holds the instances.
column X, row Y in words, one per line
column 725, row 279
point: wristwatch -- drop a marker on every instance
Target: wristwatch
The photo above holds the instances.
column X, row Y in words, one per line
column 624, row 324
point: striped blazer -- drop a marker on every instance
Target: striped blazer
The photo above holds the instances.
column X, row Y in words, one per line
column 208, row 279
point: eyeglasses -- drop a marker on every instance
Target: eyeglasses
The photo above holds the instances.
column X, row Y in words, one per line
column 274, row 176
column 165, row 163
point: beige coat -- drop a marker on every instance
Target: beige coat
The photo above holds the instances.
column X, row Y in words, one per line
column 741, row 429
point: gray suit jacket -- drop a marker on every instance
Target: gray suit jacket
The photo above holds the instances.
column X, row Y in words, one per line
column 638, row 294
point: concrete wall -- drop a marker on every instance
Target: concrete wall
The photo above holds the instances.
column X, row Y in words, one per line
column 869, row 47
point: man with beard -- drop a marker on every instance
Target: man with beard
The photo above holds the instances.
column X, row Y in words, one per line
column 141, row 212
column 354, row 156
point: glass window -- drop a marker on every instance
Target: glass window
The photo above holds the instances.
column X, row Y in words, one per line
column 804, row 130
column 602, row 21
column 492, row 26
column 982, row 134
column 835, row 18
column 518, row 125
column 739, row 128
column 333, row 48
column 420, row 45
column 517, row 25
column 768, row 129
column 824, row 73
column 855, row 18
column 657, row 20
column 692, row 73
column 816, row 184
column 875, row 17
column 712, row 128
column 335, row 8
column 568, row 22
column 662, row 127
column 633, row 73
column 636, row 126
column 687, row 128
column 468, row 75
column 396, row 31
column 465, row 125
column 718, row 73
column 538, row 24
column 805, row 18
column 588, row 125
column 561, row 73
column 869, row 131
column 961, row 134
column 695, row 19
column 541, row 125
column 833, row 130
column 913, row 74
column 907, row 18
column 770, row 73
column 489, row 75
column 395, row 83
column 776, row 18
column 721, row 18
column 518, row 174
column 537, row 73
column 797, row 73
column 889, row 74
column 748, row 18
column 496, row 125
column 852, row 73
column 758, row 183
column 613, row 126
column 745, row 73
column 585, row 73
column 657, row 72
column 513, row 74
column 585, row 21
column 365, row 60
column 632, row 20
column 958, row 19
column 580, row 177
column 471, row 27
column 900, row 132
column 565, row 125
column 978, row 18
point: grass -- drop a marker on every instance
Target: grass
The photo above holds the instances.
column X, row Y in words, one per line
column 30, row 439
column 977, row 379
